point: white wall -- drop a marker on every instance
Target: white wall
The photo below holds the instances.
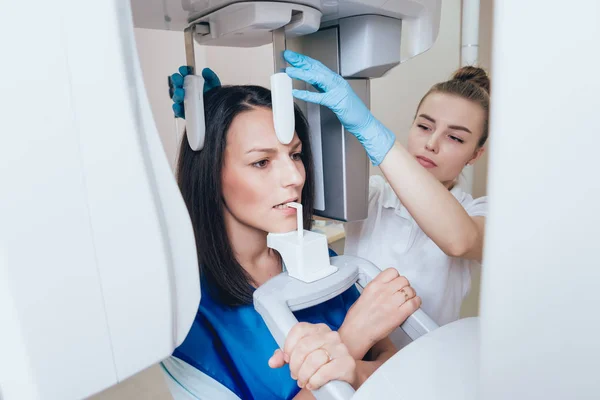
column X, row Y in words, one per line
column 394, row 98
column 486, row 23
column 471, row 304
column 540, row 324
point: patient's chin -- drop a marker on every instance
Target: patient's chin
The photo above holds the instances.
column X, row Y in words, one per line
column 282, row 227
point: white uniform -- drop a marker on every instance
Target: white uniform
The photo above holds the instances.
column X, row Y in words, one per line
column 390, row 237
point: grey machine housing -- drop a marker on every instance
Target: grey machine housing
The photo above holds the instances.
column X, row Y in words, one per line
column 358, row 48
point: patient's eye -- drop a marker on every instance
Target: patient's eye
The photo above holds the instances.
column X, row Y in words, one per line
column 297, row 156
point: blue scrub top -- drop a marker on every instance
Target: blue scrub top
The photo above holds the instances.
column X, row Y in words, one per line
column 232, row 345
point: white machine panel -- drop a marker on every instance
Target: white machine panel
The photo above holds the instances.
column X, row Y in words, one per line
column 420, row 18
column 442, row 365
column 98, row 265
column 540, row 306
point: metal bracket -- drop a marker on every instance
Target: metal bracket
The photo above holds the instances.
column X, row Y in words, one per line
column 278, row 49
column 190, row 57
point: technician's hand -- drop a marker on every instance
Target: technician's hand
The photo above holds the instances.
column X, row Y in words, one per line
column 316, row 355
column 177, row 93
column 336, row 94
column 385, row 303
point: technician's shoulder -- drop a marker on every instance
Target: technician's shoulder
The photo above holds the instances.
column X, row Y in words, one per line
column 475, row 207
column 381, row 193
column 376, row 186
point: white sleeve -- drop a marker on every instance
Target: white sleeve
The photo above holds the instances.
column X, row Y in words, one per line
column 381, row 194
column 359, row 233
column 188, row 383
column 478, row 207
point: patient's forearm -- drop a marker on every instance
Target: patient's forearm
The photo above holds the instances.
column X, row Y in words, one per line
column 364, row 369
column 304, row 395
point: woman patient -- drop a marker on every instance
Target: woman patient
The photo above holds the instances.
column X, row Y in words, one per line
column 235, row 190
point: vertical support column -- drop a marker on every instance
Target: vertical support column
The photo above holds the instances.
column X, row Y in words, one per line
column 278, row 49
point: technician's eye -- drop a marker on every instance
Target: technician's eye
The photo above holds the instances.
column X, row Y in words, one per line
column 297, row 156
column 261, row 164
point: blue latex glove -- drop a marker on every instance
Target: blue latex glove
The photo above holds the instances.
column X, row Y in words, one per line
column 177, row 92
column 336, row 94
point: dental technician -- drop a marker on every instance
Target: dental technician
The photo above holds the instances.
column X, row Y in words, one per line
column 419, row 221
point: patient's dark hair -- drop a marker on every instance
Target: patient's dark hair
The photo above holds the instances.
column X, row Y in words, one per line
column 199, row 179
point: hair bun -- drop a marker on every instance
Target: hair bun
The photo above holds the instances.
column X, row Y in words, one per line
column 475, row 75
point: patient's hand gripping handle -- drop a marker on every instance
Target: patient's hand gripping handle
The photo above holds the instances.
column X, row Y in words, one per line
column 280, row 296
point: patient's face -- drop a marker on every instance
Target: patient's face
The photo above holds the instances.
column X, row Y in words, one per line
column 260, row 173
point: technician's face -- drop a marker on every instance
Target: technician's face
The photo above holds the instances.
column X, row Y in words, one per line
column 445, row 134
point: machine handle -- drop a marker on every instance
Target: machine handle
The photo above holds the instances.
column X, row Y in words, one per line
column 270, row 302
column 334, row 390
column 278, row 297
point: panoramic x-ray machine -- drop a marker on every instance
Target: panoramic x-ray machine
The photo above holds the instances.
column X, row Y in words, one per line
column 98, row 265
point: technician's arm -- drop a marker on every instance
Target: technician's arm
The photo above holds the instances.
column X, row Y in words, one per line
column 432, row 206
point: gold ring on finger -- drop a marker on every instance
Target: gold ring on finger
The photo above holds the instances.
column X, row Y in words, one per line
column 329, row 358
column 405, row 294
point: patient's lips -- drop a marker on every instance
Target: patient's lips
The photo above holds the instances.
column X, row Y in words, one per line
column 284, row 208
